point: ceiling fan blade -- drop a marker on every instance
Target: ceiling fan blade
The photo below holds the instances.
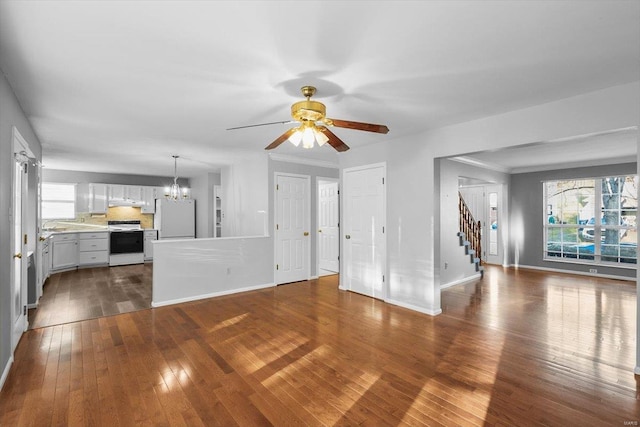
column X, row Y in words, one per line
column 286, row 122
column 334, row 141
column 369, row 127
column 282, row 138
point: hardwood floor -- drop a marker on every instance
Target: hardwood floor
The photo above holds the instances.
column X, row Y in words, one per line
column 516, row 348
column 92, row 292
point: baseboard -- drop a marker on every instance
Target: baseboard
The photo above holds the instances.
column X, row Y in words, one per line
column 414, row 307
column 579, row 273
column 313, row 277
column 461, row 281
column 5, row 372
column 155, row 304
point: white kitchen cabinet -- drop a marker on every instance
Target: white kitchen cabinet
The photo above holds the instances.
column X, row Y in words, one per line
column 98, row 198
column 149, row 195
column 133, row 193
column 93, row 248
column 116, row 193
column 149, row 237
column 64, row 251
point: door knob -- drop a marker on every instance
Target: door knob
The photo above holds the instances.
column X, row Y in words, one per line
column 42, row 239
column 306, row 233
column 319, row 231
column 347, row 236
column 18, row 255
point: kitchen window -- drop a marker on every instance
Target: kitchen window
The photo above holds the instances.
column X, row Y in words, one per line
column 58, row 201
column 591, row 220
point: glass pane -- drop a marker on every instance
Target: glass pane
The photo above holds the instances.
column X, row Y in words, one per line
column 554, row 235
column 570, row 234
column 611, row 236
column 571, row 201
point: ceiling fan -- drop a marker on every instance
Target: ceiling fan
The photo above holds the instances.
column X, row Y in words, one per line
column 313, row 125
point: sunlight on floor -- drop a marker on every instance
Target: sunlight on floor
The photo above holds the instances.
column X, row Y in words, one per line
column 229, row 322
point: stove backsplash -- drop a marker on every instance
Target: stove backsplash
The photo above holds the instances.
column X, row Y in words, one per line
column 114, row 213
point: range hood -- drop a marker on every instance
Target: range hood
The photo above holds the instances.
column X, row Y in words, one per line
column 126, row 202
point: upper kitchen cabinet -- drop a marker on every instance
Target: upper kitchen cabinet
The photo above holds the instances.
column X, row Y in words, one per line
column 98, row 199
column 134, row 193
column 116, row 193
column 126, row 195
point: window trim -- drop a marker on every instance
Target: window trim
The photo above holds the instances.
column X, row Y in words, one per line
column 597, row 227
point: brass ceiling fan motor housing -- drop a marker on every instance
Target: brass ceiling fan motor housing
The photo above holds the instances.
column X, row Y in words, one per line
column 308, row 110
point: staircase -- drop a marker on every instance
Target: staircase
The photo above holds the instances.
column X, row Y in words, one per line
column 470, row 235
column 473, row 259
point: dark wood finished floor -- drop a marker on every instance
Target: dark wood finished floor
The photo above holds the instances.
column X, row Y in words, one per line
column 517, row 348
column 88, row 293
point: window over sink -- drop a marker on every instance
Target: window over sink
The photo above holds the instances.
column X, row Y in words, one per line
column 58, row 201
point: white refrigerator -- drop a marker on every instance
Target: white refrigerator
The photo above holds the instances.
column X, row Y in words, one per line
column 175, row 219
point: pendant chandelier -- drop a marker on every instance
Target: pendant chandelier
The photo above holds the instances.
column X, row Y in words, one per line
column 174, row 192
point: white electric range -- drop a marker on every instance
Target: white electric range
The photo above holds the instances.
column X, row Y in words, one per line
column 126, row 242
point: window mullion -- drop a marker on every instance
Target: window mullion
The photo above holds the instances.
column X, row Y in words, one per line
column 597, row 231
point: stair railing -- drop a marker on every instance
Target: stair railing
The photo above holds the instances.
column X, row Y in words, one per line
column 470, row 227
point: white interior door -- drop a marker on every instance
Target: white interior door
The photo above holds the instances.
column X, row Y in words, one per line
column 292, row 228
column 364, row 230
column 328, row 230
column 19, row 241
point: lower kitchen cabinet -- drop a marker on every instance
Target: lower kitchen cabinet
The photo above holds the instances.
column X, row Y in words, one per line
column 149, row 237
column 64, row 251
column 93, row 248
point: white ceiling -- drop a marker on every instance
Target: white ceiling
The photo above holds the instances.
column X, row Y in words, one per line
column 121, row 86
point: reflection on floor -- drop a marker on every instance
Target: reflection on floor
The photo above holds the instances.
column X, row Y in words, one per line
column 519, row 347
column 92, row 292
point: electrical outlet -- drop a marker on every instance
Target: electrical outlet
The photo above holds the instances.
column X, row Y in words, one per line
column 593, row 270
column 446, row 265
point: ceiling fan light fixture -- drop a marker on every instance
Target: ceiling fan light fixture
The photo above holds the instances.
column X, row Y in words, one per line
column 308, row 137
column 296, row 137
column 321, row 138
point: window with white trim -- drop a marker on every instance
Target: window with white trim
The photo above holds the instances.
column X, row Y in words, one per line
column 58, row 201
column 592, row 220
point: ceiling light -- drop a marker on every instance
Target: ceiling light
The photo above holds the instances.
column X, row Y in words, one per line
column 321, row 138
column 175, row 192
column 308, row 137
column 296, row 137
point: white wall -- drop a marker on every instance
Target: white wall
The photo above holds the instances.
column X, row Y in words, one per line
column 202, row 191
column 412, row 209
column 11, row 114
column 187, row 270
column 246, row 200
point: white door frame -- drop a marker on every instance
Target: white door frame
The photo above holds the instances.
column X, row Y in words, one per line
column 20, row 147
column 307, row 222
column 320, row 179
column 343, row 212
column 487, row 188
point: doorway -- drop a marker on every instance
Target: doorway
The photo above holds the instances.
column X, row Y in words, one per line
column 19, row 236
column 486, row 206
column 328, row 243
column 292, row 224
column 364, row 230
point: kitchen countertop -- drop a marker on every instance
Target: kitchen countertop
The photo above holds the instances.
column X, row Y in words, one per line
column 48, row 233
